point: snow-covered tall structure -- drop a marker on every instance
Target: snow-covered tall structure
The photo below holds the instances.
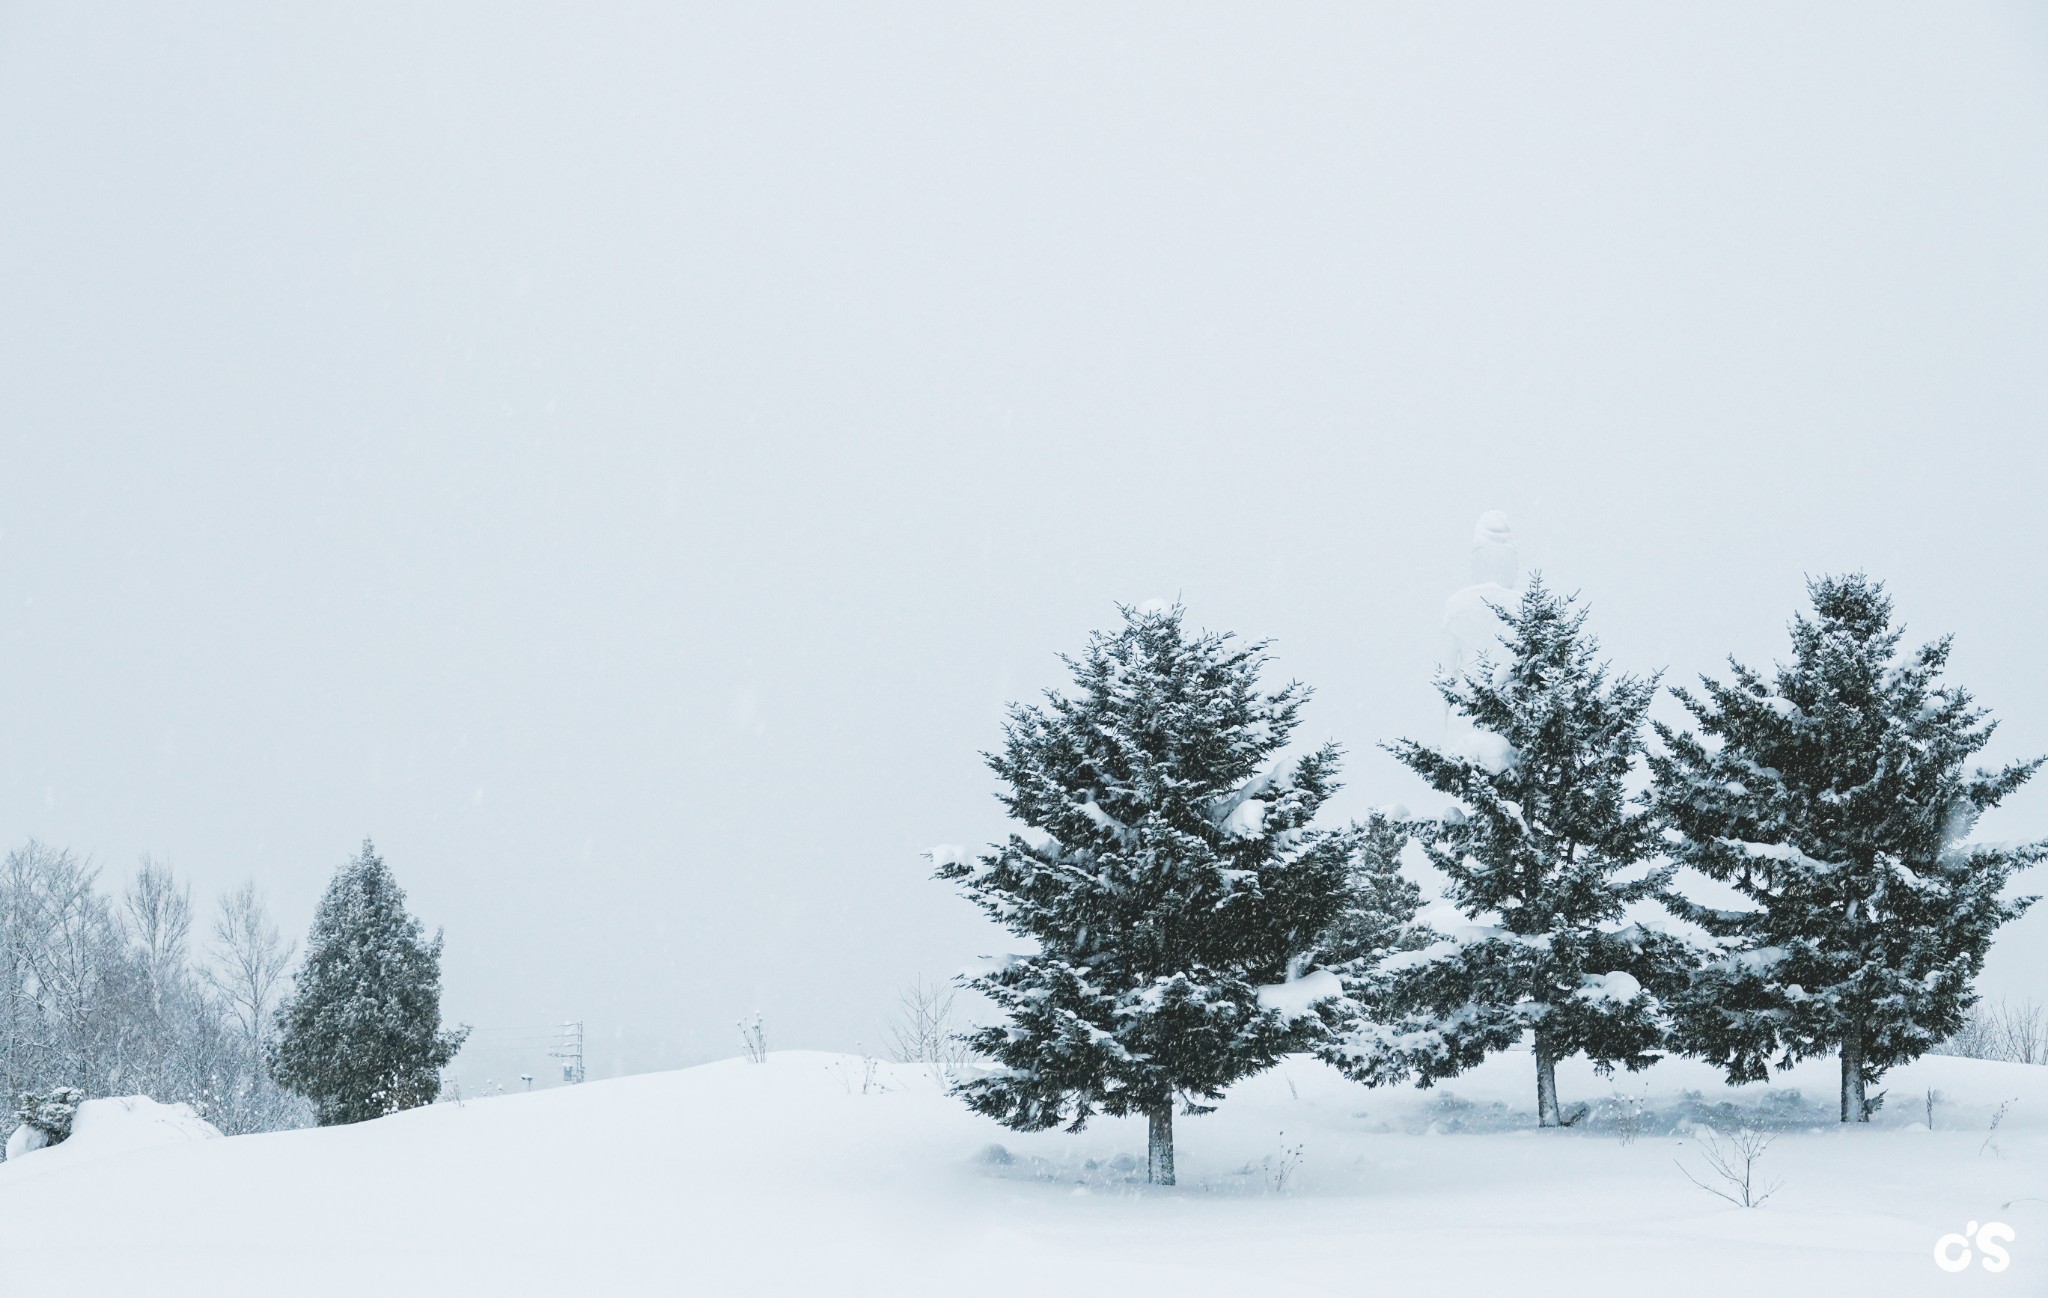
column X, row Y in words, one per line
column 1472, row 624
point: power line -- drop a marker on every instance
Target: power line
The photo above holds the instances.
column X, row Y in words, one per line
column 546, row 1029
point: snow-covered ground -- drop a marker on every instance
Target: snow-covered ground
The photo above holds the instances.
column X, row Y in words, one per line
column 792, row 1178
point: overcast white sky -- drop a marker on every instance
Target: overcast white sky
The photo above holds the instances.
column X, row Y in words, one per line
column 623, row 457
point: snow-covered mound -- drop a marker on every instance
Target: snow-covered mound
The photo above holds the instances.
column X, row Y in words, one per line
column 24, row 1140
column 103, row 1128
column 813, row 1174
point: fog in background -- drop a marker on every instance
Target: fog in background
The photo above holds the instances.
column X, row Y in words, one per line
column 623, row 457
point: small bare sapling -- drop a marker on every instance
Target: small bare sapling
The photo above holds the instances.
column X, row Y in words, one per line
column 860, row 1075
column 1991, row 1136
column 1628, row 1113
column 1278, row 1167
column 754, row 1039
column 1732, row 1161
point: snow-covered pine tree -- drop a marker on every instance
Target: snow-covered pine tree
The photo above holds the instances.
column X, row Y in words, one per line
column 1377, row 918
column 1375, row 924
column 360, row 1033
column 1545, row 851
column 1834, row 796
column 1169, row 876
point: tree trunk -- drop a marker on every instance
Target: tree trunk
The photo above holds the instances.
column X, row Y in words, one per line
column 1854, row 1108
column 1546, row 1085
column 1159, row 1146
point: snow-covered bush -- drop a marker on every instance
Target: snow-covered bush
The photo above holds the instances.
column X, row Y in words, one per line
column 49, row 1113
column 96, row 1128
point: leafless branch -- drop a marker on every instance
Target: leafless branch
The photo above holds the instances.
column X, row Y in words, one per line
column 1733, row 1160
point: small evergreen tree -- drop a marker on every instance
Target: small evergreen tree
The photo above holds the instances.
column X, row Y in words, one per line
column 1171, row 875
column 360, row 1034
column 1377, row 917
column 1544, row 852
column 1374, row 929
column 1835, row 799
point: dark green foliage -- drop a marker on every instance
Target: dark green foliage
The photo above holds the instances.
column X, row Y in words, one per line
column 1836, row 797
column 50, row 1112
column 1545, row 850
column 1171, row 873
column 360, row 1035
column 1378, row 916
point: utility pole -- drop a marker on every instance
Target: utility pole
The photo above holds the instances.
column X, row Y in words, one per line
column 571, row 1052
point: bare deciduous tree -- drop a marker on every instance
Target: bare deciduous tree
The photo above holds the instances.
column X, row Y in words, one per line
column 77, row 978
column 2026, row 1033
column 101, row 995
column 2012, row 1032
column 167, row 1017
column 247, row 963
column 250, row 958
column 157, row 912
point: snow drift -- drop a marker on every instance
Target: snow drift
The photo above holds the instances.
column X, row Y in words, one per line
column 812, row 1174
column 104, row 1128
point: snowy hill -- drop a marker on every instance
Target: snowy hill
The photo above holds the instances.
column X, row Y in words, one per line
column 801, row 1176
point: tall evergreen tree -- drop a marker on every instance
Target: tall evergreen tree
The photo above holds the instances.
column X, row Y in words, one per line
column 360, row 1034
column 1544, row 851
column 1169, row 876
column 1835, row 798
